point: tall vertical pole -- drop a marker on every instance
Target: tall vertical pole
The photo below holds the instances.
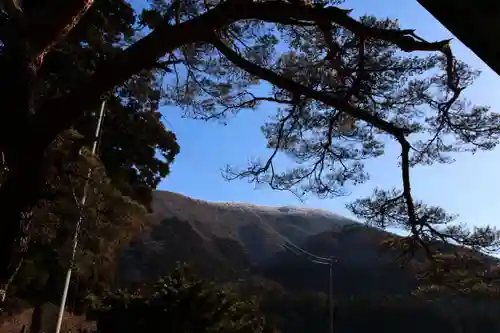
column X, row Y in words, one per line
column 330, row 293
column 79, row 222
column 3, row 287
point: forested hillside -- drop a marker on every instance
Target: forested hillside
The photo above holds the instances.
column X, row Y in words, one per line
column 245, row 246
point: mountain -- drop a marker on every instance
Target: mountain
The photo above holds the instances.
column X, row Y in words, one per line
column 229, row 241
column 236, row 241
column 241, row 221
column 182, row 228
column 247, row 245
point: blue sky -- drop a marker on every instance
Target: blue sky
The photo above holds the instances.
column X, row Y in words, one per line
column 469, row 187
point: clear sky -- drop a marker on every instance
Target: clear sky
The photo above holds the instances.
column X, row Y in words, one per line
column 469, row 187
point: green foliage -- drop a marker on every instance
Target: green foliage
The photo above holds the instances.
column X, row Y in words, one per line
column 180, row 303
column 134, row 153
column 344, row 87
column 308, row 312
column 297, row 312
column 109, row 220
column 136, row 149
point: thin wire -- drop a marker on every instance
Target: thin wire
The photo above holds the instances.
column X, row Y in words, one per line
column 300, row 253
column 312, row 257
column 309, row 256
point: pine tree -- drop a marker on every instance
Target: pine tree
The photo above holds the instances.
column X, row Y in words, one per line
column 343, row 85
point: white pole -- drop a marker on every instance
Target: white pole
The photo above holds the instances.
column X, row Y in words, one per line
column 330, row 293
column 78, row 223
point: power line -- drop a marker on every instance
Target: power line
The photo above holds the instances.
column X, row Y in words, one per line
column 309, row 256
column 287, row 241
column 303, row 253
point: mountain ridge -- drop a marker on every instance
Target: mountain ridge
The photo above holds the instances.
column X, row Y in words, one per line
column 247, row 237
column 202, row 213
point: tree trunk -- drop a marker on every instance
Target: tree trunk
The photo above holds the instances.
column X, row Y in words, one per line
column 36, row 318
column 23, row 155
column 18, row 194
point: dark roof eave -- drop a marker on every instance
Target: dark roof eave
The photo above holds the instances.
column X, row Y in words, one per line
column 475, row 23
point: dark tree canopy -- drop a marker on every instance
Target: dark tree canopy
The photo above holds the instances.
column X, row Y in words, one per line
column 135, row 151
column 342, row 86
column 109, row 220
column 180, row 302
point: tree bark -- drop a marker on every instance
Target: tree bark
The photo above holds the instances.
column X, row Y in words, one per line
column 24, row 49
column 18, row 194
column 20, row 187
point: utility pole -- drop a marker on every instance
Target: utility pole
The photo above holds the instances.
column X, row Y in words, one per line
column 79, row 222
column 312, row 258
column 321, row 261
column 330, row 292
